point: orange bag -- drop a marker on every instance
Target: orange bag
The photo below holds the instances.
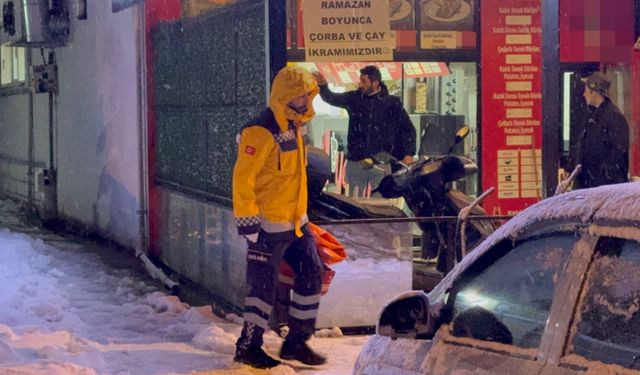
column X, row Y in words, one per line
column 330, row 250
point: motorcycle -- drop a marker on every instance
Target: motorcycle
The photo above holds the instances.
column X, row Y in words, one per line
column 426, row 188
column 328, row 206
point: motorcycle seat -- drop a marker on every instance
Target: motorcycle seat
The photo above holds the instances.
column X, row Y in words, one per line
column 359, row 209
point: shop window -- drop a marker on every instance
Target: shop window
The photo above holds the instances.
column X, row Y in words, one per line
column 12, row 61
column 574, row 107
column 620, row 90
column 441, row 104
column 438, row 97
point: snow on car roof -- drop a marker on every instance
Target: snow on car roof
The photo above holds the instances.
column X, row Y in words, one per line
column 602, row 208
column 622, row 203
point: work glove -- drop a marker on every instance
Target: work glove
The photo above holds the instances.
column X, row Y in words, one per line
column 256, row 250
column 253, row 237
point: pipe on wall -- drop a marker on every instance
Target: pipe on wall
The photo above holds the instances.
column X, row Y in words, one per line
column 143, row 210
column 30, row 138
column 550, row 93
column 50, row 205
column 143, row 160
column 52, row 164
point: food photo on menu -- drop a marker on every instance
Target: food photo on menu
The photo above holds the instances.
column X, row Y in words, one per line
column 447, row 15
column 401, row 14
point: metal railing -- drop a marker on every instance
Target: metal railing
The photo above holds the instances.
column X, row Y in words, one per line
column 418, row 219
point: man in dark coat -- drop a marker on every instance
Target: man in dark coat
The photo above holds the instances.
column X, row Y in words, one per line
column 377, row 122
column 603, row 148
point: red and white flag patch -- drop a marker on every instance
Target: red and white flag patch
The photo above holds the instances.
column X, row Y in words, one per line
column 250, row 150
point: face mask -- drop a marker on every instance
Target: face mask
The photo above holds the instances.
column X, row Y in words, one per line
column 300, row 110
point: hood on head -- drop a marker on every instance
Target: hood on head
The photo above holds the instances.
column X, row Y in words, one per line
column 291, row 82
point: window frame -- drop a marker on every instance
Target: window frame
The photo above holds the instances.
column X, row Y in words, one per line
column 568, row 355
column 551, row 343
column 498, row 252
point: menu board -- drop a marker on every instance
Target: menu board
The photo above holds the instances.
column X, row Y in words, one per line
column 447, row 24
column 349, row 72
column 403, row 26
column 425, row 69
column 511, row 103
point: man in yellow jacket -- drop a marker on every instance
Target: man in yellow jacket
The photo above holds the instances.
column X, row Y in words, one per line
column 270, row 207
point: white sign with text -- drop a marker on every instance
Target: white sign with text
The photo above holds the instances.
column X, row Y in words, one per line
column 347, row 30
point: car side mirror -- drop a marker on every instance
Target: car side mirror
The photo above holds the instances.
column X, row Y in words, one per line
column 407, row 316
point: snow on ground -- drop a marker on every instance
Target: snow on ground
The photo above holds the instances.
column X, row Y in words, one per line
column 64, row 311
column 360, row 287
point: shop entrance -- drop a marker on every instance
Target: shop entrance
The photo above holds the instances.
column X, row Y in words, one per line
column 575, row 110
column 439, row 98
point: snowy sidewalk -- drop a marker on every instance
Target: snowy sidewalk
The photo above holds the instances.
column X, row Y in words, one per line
column 63, row 310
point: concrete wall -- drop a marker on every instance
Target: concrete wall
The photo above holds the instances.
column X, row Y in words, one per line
column 97, row 115
column 199, row 240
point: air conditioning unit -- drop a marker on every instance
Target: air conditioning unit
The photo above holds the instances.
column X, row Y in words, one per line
column 31, row 23
column 11, row 21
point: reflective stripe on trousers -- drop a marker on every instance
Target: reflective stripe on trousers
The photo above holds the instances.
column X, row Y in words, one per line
column 263, row 259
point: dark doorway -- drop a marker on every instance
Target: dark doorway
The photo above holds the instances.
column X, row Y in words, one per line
column 573, row 109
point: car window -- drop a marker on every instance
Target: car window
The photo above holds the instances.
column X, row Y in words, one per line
column 608, row 324
column 509, row 300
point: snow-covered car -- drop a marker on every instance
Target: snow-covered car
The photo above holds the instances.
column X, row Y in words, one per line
column 556, row 290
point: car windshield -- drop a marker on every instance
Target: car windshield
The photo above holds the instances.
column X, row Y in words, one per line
column 509, row 301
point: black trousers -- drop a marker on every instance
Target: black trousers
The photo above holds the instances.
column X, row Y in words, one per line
column 263, row 259
column 593, row 177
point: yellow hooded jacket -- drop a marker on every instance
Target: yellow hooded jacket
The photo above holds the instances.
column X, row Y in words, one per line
column 269, row 177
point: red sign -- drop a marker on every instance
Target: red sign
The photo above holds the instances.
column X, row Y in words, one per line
column 511, row 103
column 635, row 124
column 349, row 72
column 425, row 69
column 596, row 30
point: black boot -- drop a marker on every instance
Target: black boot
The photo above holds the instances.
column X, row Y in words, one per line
column 249, row 348
column 255, row 357
column 299, row 350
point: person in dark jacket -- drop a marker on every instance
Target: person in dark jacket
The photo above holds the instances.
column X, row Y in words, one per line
column 377, row 123
column 603, row 147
